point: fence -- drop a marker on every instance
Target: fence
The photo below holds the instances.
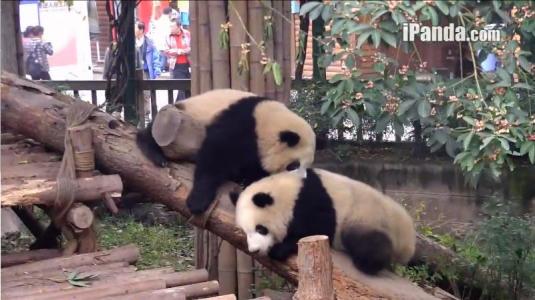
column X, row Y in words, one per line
column 94, row 86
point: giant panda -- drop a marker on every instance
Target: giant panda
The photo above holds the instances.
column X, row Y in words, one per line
column 276, row 211
column 247, row 138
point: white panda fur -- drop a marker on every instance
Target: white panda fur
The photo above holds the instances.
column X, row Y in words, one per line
column 247, row 138
column 376, row 229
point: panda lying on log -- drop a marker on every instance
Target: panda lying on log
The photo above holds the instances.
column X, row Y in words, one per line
column 278, row 210
column 246, row 138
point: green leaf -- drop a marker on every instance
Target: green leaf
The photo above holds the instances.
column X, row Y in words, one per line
column 524, row 63
column 379, row 68
column 525, row 147
column 267, row 68
column 338, row 26
column 378, row 15
column 424, row 108
column 523, row 86
column 532, row 155
column 450, row 109
column 398, row 127
column 468, row 139
column 350, row 62
column 359, row 28
column 443, row 6
column 354, row 117
column 376, row 37
column 486, row 142
column 451, row 146
column 325, row 106
column 362, row 38
column 505, row 144
column 336, row 119
column 327, row 13
column 441, row 136
column 308, row 7
column 316, row 12
column 381, row 124
column 434, row 16
column 503, row 75
column 389, row 38
column 277, row 74
column 469, row 120
column 405, row 106
column 336, row 78
column 370, row 108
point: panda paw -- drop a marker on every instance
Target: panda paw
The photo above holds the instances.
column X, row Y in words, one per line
column 196, row 205
column 282, row 251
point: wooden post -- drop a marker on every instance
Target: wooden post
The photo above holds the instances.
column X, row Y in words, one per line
column 84, row 157
column 132, row 88
column 195, row 43
column 140, row 99
column 270, row 83
column 315, row 269
column 205, row 64
column 12, row 52
column 237, row 38
column 227, row 268
column 256, row 80
column 278, row 43
column 80, row 216
column 286, row 63
column 245, row 275
column 220, row 57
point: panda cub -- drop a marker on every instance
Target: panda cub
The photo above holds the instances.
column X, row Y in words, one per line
column 278, row 210
column 247, row 138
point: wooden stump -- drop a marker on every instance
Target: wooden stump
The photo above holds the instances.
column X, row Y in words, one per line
column 315, row 269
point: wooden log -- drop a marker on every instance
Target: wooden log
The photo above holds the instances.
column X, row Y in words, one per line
column 315, row 269
column 222, row 297
column 10, row 138
column 286, row 64
column 185, row 278
column 44, row 278
column 102, row 280
column 42, row 170
column 111, row 289
column 28, row 256
column 117, row 152
column 80, row 216
column 38, row 191
column 163, row 294
column 227, row 268
column 129, row 253
column 196, row 290
column 84, row 158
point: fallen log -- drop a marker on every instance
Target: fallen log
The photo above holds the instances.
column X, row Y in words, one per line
column 129, row 253
column 9, row 260
column 116, row 152
column 196, row 290
column 38, row 191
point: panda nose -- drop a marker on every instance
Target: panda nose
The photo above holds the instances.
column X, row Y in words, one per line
column 292, row 166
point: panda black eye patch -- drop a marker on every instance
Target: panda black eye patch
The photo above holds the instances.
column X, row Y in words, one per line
column 261, row 229
column 262, row 200
column 289, row 137
column 293, row 165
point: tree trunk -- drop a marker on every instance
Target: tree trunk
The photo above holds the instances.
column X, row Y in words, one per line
column 315, row 269
column 318, row 29
column 12, row 52
column 43, row 119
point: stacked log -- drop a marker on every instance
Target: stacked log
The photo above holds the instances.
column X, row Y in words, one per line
column 112, row 277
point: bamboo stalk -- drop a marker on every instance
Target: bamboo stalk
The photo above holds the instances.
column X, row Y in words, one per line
column 315, row 269
column 245, row 275
column 256, row 29
column 205, row 64
column 220, row 57
column 278, row 44
column 227, row 268
column 129, row 253
column 195, row 43
column 286, row 64
column 237, row 10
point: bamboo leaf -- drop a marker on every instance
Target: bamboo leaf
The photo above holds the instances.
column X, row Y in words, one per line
column 277, row 74
column 308, row 7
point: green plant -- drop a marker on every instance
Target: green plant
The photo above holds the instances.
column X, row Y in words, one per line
column 504, row 247
column 420, row 274
column 483, row 120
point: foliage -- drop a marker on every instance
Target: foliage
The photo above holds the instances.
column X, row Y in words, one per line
column 420, row 274
column 504, row 246
column 482, row 120
column 78, row 279
column 160, row 245
column 305, row 100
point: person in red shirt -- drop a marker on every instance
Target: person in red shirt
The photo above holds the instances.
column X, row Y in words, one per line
column 177, row 52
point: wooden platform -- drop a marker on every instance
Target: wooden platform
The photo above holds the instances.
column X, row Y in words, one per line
column 101, row 275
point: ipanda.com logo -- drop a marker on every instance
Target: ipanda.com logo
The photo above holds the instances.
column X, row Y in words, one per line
column 450, row 33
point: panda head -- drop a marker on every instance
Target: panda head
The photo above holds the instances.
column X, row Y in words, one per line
column 286, row 142
column 264, row 209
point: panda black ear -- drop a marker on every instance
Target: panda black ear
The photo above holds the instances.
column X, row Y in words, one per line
column 262, row 200
column 234, row 197
column 289, row 137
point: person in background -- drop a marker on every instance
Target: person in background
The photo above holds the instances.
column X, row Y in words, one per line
column 178, row 49
column 37, row 59
column 147, row 59
column 159, row 34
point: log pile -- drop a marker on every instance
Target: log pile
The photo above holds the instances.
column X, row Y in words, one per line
column 43, row 118
column 112, row 277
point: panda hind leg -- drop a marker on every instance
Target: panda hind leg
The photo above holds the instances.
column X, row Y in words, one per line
column 371, row 250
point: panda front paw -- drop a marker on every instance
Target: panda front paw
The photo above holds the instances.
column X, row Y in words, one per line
column 282, row 251
column 197, row 204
